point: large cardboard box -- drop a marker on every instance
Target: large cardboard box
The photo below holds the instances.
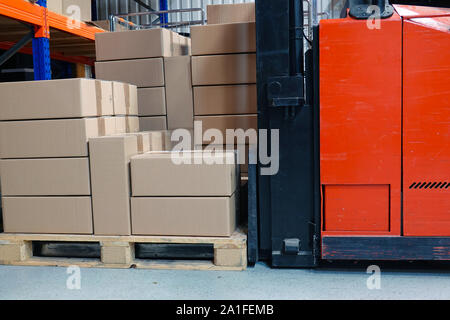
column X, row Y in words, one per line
column 127, row 124
column 158, row 174
column 51, row 138
column 223, row 38
column 110, row 158
column 153, row 123
column 231, row 122
column 152, row 101
column 141, row 72
column 137, row 44
column 55, row 99
column 125, row 99
column 45, row 177
column 224, row 69
column 189, row 216
column 76, row 9
column 180, row 109
column 231, row 13
column 232, row 99
column 67, row 215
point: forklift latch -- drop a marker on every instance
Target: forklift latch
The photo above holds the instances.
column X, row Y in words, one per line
column 286, row 91
column 291, row 246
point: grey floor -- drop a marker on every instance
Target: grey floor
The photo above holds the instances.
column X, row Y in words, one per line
column 259, row 282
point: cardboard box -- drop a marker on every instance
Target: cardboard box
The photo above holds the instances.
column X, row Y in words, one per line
column 110, row 159
column 45, row 177
column 144, row 140
column 180, row 109
column 125, row 99
column 224, row 69
column 141, row 72
column 76, row 9
column 106, row 25
column 55, row 99
column 152, row 101
column 127, row 124
column 51, row 138
column 225, row 100
column 157, row 140
column 153, row 123
column 65, row 215
column 231, row 13
column 231, row 122
column 157, row 174
column 137, row 44
column 178, row 216
column 223, row 38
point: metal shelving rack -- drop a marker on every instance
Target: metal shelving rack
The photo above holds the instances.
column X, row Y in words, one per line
column 51, row 35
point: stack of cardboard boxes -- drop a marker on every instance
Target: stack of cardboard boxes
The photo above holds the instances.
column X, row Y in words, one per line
column 158, row 62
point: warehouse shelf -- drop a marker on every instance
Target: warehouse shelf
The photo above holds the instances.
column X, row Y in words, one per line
column 54, row 35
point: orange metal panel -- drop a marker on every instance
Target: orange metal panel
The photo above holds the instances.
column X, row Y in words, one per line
column 23, row 11
column 426, row 117
column 408, row 11
column 360, row 111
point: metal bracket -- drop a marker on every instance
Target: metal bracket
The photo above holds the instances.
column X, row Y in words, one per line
column 286, row 91
column 291, row 246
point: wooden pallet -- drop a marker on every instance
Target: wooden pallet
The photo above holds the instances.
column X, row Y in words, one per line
column 118, row 252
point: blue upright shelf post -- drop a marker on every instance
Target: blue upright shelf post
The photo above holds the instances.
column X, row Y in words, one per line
column 164, row 17
column 41, row 50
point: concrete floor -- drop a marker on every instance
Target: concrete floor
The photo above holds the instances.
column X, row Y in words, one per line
column 259, row 282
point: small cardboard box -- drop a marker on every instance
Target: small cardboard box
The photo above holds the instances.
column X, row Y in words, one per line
column 125, row 99
column 66, row 215
column 180, row 109
column 184, row 216
column 152, row 101
column 140, row 72
column 225, row 100
column 55, row 99
column 51, row 138
column 76, row 9
column 138, row 44
column 127, row 124
column 223, row 38
column 158, row 174
column 231, row 13
column 45, row 177
column 153, row 123
column 224, row 69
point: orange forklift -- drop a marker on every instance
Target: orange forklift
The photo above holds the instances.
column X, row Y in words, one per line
column 363, row 113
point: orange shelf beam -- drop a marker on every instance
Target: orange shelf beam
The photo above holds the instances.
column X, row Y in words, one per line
column 23, row 11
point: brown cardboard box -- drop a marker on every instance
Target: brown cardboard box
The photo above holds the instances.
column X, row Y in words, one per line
column 152, row 101
column 82, row 10
column 157, row 174
column 51, row 138
column 69, row 98
column 180, row 109
column 223, row 38
column 144, row 141
column 177, row 216
column 157, row 140
column 110, row 158
column 140, row 72
column 127, row 124
column 125, row 99
column 231, row 13
column 153, row 123
column 224, row 69
column 45, row 177
column 137, row 44
column 233, row 99
column 234, row 122
column 71, row 215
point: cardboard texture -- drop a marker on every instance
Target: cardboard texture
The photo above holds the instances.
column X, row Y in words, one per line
column 125, row 99
column 223, row 38
column 225, row 100
column 157, row 140
column 143, row 141
column 156, row 174
column 232, row 122
column 109, row 159
column 153, row 123
column 137, row 44
column 224, row 69
column 178, row 216
column 180, row 109
column 141, row 72
column 76, row 9
column 69, row 98
column 45, row 177
column 66, row 215
column 51, row 138
column 152, row 101
column 231, row 13
column 127, row 124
